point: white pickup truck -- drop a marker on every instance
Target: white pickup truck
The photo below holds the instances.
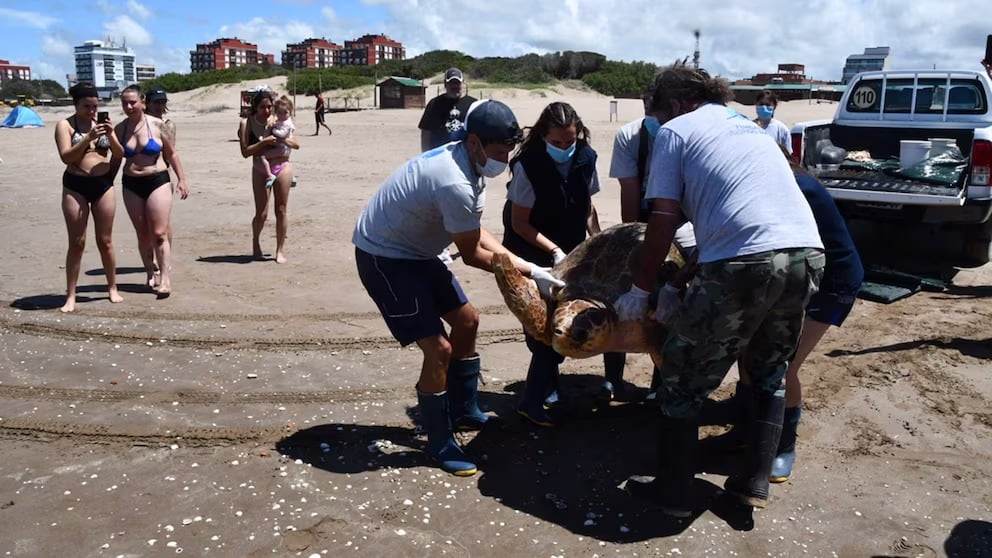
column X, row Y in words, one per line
column 878, row 111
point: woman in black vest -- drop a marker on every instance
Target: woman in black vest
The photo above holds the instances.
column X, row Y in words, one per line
column 548, row 212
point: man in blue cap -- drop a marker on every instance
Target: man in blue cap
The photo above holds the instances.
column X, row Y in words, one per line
column 431, row 201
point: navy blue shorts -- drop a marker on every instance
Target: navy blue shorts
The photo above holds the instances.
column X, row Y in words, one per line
column 830, row 307
column 412, row 295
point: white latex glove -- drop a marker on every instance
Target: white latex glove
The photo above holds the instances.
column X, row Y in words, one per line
column 668, row 304
column 558, row 255
column 544, row 280
column 632, row 305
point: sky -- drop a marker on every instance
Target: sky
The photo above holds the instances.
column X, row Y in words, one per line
column 737, row 39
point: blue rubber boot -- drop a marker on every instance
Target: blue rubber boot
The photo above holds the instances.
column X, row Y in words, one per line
column 463, row 395
column 786, row 458
column 540, row 378
column 441, row 445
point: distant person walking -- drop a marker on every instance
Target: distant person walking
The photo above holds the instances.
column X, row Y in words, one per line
column 318, row 113
column 445, row 114
column 255, row 140
column 146, row 148
column 92, row 154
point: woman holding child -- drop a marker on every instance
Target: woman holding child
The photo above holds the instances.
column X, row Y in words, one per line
column 270, row 159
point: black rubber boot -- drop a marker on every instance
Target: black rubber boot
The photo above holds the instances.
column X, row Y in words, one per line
column 751, row 486
column 728, row 411
column 441, row 445
column 741, row 416
column 613, row 388
column 541, row 375
column 671, row 489
column 463, row 395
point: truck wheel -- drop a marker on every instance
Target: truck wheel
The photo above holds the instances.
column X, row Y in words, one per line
column 976, row 251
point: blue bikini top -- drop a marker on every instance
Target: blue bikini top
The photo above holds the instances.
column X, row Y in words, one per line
column 150, row 148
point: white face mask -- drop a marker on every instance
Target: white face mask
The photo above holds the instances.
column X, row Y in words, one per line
column 492, row 168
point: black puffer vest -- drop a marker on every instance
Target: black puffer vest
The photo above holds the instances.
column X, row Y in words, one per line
column 561, row 205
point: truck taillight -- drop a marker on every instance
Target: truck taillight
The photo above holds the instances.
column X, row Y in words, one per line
column 797, row 147
column 981, row 163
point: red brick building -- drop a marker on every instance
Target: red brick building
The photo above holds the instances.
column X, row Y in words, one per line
column 9, row 71
column 226, row 53
column 369, row 50
column 312, row 53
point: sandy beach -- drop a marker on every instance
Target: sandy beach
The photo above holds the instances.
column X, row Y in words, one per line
column 264, row 410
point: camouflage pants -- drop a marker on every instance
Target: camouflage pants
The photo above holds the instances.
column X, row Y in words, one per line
column 750, row 307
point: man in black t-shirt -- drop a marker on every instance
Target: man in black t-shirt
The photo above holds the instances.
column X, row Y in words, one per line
column 445, row 114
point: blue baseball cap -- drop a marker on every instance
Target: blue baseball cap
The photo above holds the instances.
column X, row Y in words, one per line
column 493, row 122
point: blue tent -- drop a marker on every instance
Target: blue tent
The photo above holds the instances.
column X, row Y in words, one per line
column 22, row 117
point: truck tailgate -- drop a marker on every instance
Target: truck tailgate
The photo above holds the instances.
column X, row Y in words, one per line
column 874, row 186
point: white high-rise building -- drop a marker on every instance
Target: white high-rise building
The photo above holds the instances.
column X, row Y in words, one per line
column 107, row 66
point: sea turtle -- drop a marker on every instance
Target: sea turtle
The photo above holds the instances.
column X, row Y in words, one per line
column 580, row 322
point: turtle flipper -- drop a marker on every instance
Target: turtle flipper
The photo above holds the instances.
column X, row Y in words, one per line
column 522, row 298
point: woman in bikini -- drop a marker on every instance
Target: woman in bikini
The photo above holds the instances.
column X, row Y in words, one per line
column 146, row 149
column 92, row 154
column 254, row 142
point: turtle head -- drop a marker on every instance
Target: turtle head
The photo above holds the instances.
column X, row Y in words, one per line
column 583, row 328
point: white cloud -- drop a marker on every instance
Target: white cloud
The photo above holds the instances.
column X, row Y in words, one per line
column 139, row 10
column 31, row 19
column 738, row 40
column 123, row 29
column 56, row 47
column 167, row 60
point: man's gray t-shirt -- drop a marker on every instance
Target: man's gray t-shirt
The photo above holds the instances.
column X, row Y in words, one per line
column 417, row 209
column 733, row 182
column 623, row 164
column 626, row 145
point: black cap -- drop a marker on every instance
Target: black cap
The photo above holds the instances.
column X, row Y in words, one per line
column 156, row 94
column 493, row 122
column 453, row 73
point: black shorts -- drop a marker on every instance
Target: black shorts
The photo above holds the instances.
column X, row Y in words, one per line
column 90, row 187
column 412, row 295
column 318, row 116
column 143, row 186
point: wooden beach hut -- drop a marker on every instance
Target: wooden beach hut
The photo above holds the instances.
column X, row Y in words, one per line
column 401, row 92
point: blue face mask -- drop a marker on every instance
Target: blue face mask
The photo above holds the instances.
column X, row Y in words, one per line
column 765, row 112
column 652, row 125
column 560, row 155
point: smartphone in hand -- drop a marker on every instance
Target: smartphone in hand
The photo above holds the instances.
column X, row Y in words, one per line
column 102, row 116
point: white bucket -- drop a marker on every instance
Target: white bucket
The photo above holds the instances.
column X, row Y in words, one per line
column 912, row 152
column 939, row 146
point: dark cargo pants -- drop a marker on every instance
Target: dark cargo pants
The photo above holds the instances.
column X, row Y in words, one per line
column 750, row 307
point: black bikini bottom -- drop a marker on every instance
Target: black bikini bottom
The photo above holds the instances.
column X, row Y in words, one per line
column 143, row 186
column 90, row 187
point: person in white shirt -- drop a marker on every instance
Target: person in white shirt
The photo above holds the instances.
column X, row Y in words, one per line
column 765, row 106
column 760, row 259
